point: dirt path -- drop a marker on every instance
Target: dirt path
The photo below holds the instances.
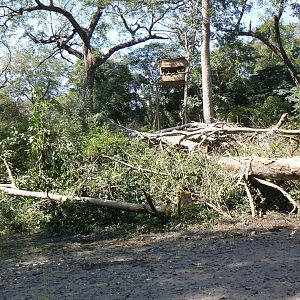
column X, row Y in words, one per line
column 260, row 260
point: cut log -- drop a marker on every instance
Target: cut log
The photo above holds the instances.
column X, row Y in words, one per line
column 120, row 205
column 265, row 168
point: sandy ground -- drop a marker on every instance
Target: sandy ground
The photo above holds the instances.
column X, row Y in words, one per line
column 258, row 260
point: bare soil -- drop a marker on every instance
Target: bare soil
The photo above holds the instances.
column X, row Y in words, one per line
column 251, row 260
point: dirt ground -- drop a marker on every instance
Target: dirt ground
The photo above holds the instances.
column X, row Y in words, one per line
column 251, row 260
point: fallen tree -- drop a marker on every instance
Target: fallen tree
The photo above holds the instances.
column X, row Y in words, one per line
column 160, row 211
column 254, row 171
column 264, row 168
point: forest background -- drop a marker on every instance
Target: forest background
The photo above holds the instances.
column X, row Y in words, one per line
column 72, row 70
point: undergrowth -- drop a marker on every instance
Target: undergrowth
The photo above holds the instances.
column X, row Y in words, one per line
column 100, row 163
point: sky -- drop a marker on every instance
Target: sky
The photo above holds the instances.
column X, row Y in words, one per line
column 258, row 12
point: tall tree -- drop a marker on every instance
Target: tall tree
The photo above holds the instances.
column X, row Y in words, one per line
column 27, row 74
column 77, row 28
column 186, row 28
column 205, row 64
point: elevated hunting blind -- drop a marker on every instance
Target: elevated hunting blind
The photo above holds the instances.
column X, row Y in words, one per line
column 172, row 71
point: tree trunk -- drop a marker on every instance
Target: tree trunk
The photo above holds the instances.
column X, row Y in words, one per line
column 264, row 168
column 156, row 117
column 186, row 81
column 185, row 97
column 205, row 64
column 90, row 73
column 282, row 53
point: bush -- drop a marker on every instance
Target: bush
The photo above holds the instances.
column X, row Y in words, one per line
column 111, row 166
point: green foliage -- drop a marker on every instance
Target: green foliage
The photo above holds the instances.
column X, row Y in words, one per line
column 116, row 94
column 128, row 168
column 110, row 166
column 246, row 92
column 18, row 215
column 11, row 115
column 73, row 217
column 294, row 99
column 101, row 141
column 106, row 164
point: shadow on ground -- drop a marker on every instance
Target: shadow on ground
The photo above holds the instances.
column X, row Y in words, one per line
column 260, row 261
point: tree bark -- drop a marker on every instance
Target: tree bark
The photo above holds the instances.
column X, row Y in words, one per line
column 186, row 81
column 185, row 97
column 205, row 64
column 264, row 168
column 90, row 73
column 157, row 107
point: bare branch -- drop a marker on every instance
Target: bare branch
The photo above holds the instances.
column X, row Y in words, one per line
column 51, row 8
column 275, row 186
column 102, row 59
column 48, row 57
column 9, row 173
column 95, row 20
column 114, row 204
column 238, row 23
column 60, row 42
column 277, row 47
column 128, row 28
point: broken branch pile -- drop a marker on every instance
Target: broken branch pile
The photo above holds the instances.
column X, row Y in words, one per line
column 194, row 135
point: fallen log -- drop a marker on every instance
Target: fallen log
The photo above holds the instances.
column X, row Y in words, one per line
column 264, row 168
column 160, row 211
column 255, row 170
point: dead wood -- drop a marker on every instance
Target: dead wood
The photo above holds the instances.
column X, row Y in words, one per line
column 255, row 170
column 250, row 198
column 193, row 135
column 119, row 205
column 9, row 173
column 281, row 190
column 264, row 168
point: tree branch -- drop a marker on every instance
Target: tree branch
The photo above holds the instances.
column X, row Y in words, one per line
column 120, row 205
column 52, row 8
column 9, row 173
column 277, row 49
column 238, row 23
column 102, row 59
column 284, row 193
column 4, row 70
column 95, row 19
